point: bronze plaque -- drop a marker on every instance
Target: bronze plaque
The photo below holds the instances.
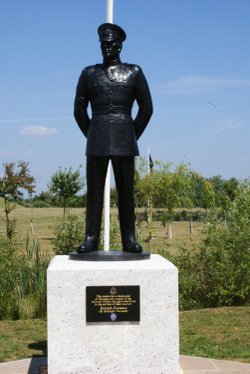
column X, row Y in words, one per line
column 112, row 303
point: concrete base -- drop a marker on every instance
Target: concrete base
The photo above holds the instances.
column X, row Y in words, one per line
column 149, row 346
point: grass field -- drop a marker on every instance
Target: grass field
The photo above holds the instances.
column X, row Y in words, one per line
column 221, row 333
column 43, row 220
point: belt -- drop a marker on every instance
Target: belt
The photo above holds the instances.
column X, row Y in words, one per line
column 111, row 110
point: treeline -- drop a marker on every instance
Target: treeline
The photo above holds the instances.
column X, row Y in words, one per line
column 162, row 187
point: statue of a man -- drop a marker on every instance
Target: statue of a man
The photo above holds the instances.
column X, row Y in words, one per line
column 111, row 88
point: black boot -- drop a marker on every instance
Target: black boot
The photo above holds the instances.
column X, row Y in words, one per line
column 131, row 245
column 90, row 244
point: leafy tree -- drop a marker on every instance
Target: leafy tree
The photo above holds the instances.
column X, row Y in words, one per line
column 231, row 187
column 15, row 179
column 225, row 190
column 150, row 185
column 172, row 189
column 65, row 184
column 168, row 189
column 204, row 193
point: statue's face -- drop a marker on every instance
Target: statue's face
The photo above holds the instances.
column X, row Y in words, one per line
column 111, row 49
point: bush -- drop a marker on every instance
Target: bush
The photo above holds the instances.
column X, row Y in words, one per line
column 22, row 279
column 41, row 204
column 8, row 279
column 69, row 233
column 114, row 236
column 217, row 273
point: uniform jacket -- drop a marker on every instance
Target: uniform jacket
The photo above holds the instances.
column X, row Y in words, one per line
column 111, row 92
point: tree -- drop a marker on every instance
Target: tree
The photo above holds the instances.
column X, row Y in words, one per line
column 65, row 184
column 205, row 196
column 149, row 185
column 168, row 189
column 15, row 179
column 225, row 190
column 182, row 187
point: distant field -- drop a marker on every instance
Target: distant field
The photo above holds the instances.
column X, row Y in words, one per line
column 180, row 234
column 44, row 219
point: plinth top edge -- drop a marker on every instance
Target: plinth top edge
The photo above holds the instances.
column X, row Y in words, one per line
column 63, row 263
column 109, row 256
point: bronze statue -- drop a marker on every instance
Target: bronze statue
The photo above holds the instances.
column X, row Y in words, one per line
column 111, row 88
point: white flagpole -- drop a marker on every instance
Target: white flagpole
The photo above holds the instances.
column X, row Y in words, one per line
column 109, row 19
column 109, row 11
column 148, row 163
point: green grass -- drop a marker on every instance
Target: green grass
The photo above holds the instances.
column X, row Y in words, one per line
column 22, row 339
column 221, row 333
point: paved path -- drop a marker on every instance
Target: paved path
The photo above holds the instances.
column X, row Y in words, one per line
column 189, row 365
column 195, row 365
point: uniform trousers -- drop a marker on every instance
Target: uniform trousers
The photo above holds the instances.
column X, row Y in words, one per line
column 123, row 167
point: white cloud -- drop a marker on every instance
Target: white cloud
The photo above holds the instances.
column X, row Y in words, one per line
column 226, row 125
column 28, row 153
column 5, row 154
column 19, row 120
column 198, row 84
column 35, row 130
column 33, row 97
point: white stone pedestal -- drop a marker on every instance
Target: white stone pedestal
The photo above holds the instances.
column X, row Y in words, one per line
column 147, row 347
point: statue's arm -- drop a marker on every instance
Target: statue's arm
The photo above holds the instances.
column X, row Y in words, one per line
column 144, row 101
column 81, row 104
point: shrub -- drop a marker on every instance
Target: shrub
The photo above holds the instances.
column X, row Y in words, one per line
column 22, row 279
column 8, row 278
column 31, row 290
column 41, row 204
column 68, row 232
column 217, row 273
column 114, row 236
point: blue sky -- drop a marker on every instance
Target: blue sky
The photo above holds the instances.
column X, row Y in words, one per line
column 194, row 53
